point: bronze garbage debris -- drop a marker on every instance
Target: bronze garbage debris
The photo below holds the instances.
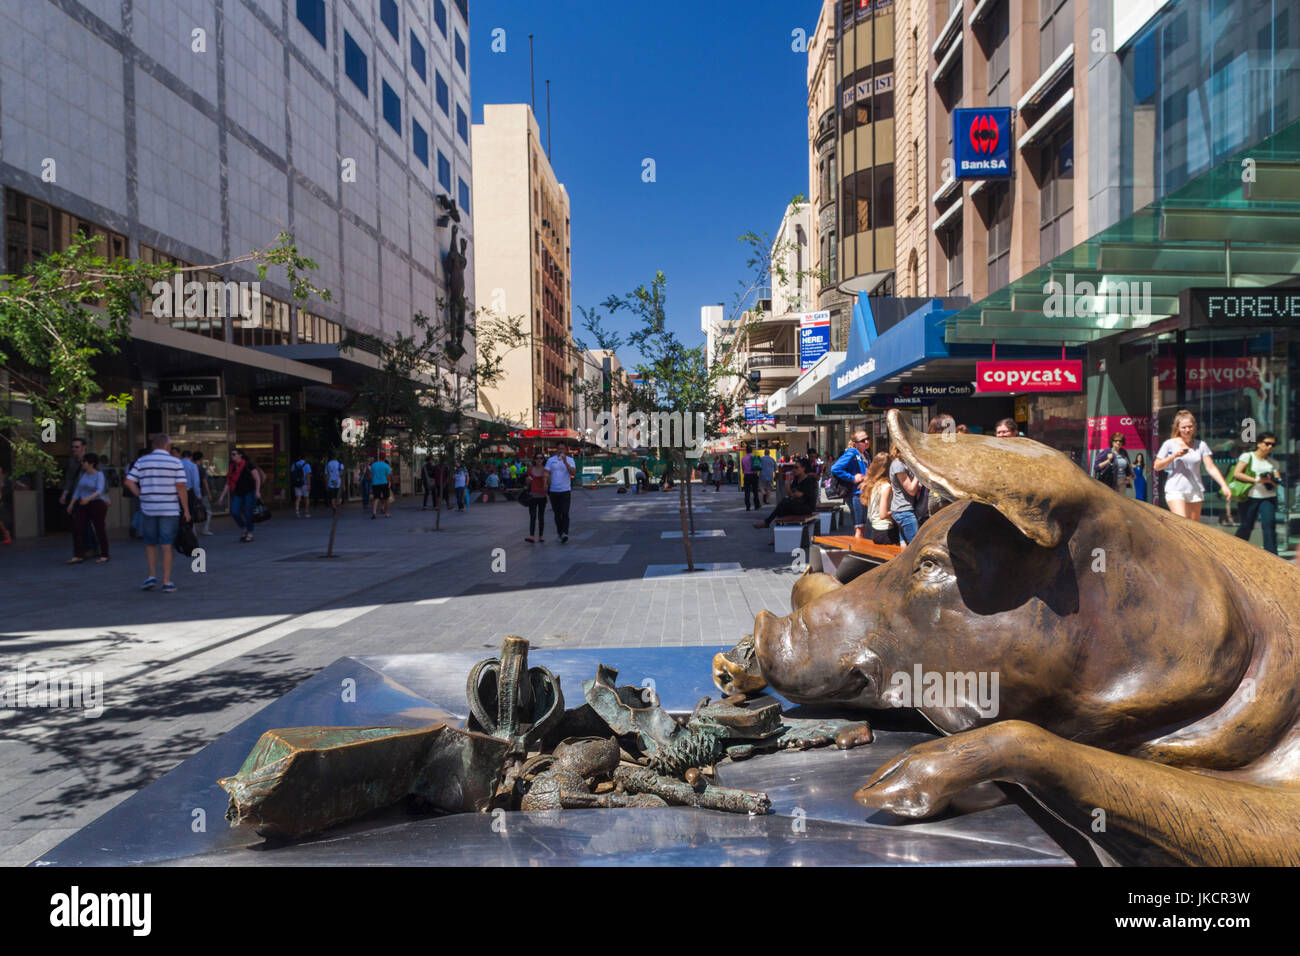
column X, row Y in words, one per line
column 520, row 750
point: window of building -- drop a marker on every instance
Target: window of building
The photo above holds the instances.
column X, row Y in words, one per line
column 884, row 191
column 1055, row 30
column 460, row 51
column 417, row 58
column 462, row 124
column 271, row 327
column 318, row 331
column 444, row 172
column 34, row 229
column 440, row 92
column 463, row 7
column 950, row 243
column 918, row 185
column 832, row 261
column 1056, row 201
column 420, row 142
column 440, row 15
column 356, row 65
column 392, row 107
column 311, row 14
column 999, row 244
column 998, row 31
column 388, row 16
column 463, row 194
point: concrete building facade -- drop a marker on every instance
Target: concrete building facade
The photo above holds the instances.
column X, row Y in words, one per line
column 186, row 132
column 524, row 266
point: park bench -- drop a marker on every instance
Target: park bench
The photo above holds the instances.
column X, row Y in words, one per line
column 845, row 556
column 793, row 531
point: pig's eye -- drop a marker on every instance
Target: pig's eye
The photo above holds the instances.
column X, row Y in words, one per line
column 928, row 566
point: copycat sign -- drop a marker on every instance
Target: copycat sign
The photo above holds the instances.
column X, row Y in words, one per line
column 1063, row 375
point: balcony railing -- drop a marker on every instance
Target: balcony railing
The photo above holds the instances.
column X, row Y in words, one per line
column 773, row 360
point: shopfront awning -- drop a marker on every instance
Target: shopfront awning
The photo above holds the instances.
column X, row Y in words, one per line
column 1215, row 231
column 810, row 389
column 874, row 355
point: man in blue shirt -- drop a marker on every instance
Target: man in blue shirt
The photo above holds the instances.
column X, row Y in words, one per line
column 379, row 472
column 851, row 468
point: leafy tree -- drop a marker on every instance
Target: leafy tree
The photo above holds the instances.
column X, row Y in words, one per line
column 677, row 378
column 69, row 308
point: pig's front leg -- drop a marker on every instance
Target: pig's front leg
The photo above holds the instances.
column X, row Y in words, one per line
column 1138, row 812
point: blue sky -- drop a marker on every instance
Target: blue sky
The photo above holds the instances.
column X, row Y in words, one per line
column 711, row 91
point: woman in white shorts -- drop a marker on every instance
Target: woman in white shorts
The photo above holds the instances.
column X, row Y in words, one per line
column 1183, row 454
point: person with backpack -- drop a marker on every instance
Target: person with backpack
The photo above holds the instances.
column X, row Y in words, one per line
column 850, row 473
column 300, row 480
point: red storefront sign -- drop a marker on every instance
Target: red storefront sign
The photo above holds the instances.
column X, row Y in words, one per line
column 1053, row 375
column 546, row 420
column 1136, row 430
column 1211, row 374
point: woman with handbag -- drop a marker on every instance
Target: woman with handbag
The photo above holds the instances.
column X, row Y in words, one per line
column 537, row 487
column 244, row 486
column 1254, row 483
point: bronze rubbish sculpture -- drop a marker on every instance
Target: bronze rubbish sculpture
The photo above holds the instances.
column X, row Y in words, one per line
column 1148, row 666
column 520, row 750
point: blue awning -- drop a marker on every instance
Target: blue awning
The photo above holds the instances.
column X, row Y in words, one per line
column 872, row 358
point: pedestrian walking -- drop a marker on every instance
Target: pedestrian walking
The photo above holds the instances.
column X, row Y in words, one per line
column 562, row 469
column 719, row 473
column 204, row 493
column 1257, row 476
column 71, row 476
column 1111, row 465
column 300, row 479
column 88, row 506
column 461, row 481
column 749, row 477
column 850, row 473
column 430, row 474
column 159, row 480
column 767, row 476
column 244, row 487
column 333, row 480
column 380, row 476
column 802, row 499
column 365, row 484
column 906, row 489
column 537, row 486
column 878, row 494
column 1183, row 454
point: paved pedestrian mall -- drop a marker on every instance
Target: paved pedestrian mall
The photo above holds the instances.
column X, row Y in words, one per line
column 181, row 669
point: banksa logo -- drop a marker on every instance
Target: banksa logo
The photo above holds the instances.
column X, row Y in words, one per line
column 984, row 133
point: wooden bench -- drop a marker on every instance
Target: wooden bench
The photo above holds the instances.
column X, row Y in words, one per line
column 846, row 557
column 806, row 524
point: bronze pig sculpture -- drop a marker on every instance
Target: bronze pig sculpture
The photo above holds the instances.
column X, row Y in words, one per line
column 1147, row 666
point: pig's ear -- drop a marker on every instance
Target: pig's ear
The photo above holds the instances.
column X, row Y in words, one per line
column 1036, row 488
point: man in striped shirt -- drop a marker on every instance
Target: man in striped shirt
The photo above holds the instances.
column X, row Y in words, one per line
column 158, row 480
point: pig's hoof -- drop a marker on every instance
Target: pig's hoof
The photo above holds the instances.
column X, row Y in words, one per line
column 736, row 671
column 922, row 781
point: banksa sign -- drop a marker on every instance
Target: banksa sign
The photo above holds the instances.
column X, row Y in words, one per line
column 981, row 142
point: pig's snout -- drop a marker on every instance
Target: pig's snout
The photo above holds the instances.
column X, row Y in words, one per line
column 806, row 667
